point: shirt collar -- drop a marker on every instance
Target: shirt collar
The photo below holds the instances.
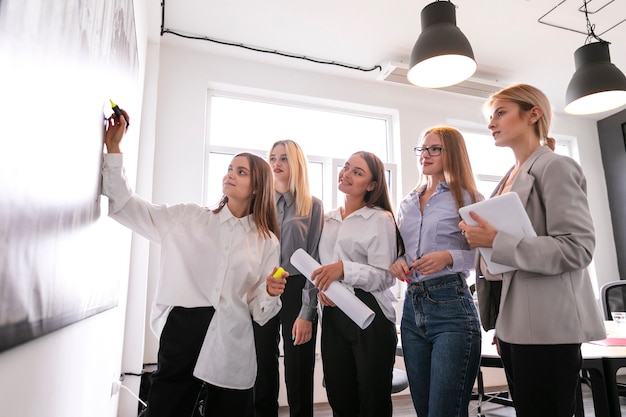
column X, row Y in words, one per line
column 288, row 196
column 442, row 186
column 365, row 212
column 225, row 215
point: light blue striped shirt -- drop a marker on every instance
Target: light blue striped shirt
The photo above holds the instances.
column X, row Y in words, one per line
column 437, row 229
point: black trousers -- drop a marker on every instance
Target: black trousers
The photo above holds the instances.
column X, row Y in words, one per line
column 174, row 390
column 543, row 379
column 299, row 360
column 358, row 364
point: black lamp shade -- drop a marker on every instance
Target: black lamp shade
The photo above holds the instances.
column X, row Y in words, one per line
column 442, row 55
column 597, row 85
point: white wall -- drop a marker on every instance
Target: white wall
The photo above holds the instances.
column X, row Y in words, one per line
column 186, row 74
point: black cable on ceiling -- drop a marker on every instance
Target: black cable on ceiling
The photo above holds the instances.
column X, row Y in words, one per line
column 259, row 49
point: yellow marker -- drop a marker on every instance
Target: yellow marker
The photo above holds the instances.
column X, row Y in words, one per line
column 279, row 272
column 118, row 112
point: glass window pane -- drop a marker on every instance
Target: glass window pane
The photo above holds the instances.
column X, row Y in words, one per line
column 243, row 123
column 254, row 124
column 490, row 163
column 316, row 179
column 486, row 158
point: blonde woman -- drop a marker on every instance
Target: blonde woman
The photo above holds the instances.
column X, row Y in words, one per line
column 440, row 328
column 544, row 309
column 300, row 217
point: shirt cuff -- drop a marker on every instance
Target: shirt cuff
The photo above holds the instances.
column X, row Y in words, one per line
column 309, row 303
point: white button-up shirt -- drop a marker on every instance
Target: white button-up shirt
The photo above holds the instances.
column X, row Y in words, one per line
column 207, row 259
column 365, row 242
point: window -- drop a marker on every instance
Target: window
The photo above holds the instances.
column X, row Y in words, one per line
column 327, row 135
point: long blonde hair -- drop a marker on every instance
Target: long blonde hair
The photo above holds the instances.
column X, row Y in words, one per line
column 527, row 97
column 299, row 176
column 457, row 169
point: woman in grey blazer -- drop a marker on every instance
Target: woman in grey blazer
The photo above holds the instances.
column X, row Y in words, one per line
column 544, row 309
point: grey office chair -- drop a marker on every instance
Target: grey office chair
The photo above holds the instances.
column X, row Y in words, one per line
column 613, row 298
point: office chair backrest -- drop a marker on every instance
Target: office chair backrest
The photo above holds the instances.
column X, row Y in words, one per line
column 613, row 298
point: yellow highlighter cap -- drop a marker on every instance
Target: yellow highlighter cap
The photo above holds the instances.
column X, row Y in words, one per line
column 279, row 272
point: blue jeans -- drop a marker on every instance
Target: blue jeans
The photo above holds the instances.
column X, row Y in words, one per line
column 441, row 341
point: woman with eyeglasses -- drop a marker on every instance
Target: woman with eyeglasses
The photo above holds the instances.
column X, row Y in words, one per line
column 440, row 329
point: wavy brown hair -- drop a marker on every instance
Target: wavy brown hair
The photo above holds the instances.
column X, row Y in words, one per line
column 262, row 205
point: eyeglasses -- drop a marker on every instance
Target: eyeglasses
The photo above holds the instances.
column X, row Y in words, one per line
column 432, row 151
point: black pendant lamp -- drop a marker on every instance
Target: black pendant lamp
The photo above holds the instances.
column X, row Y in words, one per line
column 597, row 85
column 442, row 55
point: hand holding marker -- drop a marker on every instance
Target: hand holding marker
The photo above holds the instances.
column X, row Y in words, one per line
column 118, row 112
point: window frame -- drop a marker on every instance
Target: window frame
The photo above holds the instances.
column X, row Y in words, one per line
column 329, row 164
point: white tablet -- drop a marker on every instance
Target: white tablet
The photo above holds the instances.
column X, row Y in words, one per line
column 504, row 212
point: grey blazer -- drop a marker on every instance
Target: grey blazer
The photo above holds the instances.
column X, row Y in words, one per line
column 549, row 298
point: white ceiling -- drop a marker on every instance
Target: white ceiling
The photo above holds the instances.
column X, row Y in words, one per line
column 510, row 44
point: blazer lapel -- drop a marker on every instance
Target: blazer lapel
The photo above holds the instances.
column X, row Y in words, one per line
column 524, row 182
column 523, row 185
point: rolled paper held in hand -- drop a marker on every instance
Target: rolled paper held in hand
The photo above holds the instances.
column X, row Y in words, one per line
column 349, row 303
column 279, row 272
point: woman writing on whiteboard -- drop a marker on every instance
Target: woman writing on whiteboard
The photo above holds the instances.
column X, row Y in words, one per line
column 359, row 241
column 300, row 217
column 440, row 328
column 544, row 309
column 216, row 277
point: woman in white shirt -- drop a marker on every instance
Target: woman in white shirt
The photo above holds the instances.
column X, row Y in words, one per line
column 359, row 241
column 216, row 276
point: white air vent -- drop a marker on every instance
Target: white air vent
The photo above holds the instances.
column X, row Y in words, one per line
column 396, row 72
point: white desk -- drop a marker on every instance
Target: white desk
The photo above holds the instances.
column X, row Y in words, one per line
column 613, row 358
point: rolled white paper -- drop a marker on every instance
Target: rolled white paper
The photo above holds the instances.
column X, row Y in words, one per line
column 349, row 303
